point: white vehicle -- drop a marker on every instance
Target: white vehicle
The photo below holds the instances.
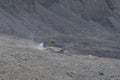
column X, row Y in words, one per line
column 55, row 48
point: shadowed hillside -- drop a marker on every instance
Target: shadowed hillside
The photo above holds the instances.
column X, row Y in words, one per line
column 86, row 26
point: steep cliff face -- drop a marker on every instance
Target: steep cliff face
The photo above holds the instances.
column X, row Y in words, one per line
column 81, row 21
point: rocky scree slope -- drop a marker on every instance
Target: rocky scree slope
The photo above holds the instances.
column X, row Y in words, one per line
column 18, row 62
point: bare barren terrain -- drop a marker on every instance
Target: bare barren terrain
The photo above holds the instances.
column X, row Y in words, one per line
column 90, row 30
column 29, row 63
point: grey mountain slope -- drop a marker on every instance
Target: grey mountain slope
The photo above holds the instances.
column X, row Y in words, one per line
column 62, row 28
column 8, row 24
column 26, row 25
column 98, row 10
column 87, row 8
column 85, row 25
column 79, row 26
